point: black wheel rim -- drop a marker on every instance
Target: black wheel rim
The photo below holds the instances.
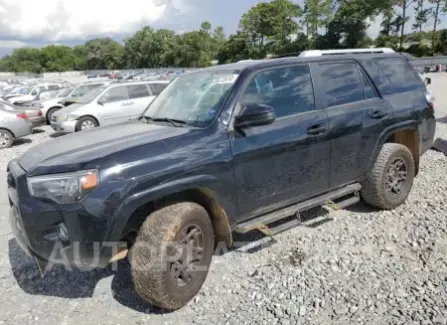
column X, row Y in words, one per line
column 184, row 268
column 396, row 177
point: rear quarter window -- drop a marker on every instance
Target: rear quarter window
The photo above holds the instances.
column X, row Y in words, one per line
column 399, row 75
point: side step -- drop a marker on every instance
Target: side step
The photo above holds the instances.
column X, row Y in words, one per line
column 262, row 222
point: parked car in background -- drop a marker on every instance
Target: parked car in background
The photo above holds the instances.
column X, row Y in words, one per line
column 80, row 91
column 13, row 125
column 109, row 104
column 66, row 98
column 44, row 95
column 33, row 114
column 30, row 93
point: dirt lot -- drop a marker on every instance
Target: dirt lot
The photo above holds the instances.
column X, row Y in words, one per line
column 363, row 267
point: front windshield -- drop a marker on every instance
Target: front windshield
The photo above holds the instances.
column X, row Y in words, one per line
column 25, row 91
column 65, row 92
column 91, row 95
column 83, row 89
column 194, row 98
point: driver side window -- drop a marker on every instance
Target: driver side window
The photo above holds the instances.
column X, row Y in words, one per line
column 288, row 90
column 115, row 94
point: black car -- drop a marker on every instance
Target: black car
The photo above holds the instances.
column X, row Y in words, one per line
column 232, row 148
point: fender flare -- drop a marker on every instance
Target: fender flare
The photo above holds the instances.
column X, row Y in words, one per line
column 386, row 134
column 203, row 183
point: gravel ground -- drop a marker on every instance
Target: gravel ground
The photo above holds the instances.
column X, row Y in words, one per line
column 363, row 267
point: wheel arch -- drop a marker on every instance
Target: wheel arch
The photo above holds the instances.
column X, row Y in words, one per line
column 403, row 133
column 90, row 116
column 141, row 205
column 6, row 129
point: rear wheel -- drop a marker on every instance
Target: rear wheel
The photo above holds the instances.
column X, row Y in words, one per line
column 172, row 254
column 389, row 182
column 6, row 139
column 86, row 123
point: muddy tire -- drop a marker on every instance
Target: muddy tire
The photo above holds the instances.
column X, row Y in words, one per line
column 389, row 182
column 172, row 254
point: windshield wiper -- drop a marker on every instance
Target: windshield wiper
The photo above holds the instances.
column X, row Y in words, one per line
column 173, row 121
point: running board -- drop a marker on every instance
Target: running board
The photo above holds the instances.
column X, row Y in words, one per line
column 262, row 222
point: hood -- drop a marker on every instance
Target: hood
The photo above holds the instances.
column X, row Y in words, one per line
column 22, row 98
column 69, row 109
column 70, row 152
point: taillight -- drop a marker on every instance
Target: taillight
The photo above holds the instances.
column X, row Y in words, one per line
column 23, row 115
column 39, row 113
column 430, row 100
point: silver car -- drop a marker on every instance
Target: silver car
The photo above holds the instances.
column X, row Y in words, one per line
column 34, row 114
column 13, row 125
column 109, row 104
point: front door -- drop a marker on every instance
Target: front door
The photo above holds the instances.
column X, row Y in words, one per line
column 115, row 105
column 287, row 161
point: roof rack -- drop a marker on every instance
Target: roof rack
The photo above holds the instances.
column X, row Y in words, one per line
column 312, row 53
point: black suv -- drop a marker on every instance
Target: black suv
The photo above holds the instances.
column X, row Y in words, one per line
column 227, row 149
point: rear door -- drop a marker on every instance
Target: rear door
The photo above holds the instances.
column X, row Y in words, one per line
column 139, row 99
column 115, row 107
column 356, row 115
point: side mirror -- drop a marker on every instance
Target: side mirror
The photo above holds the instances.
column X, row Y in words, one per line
column 34, row 93
column 255, row 115
column 101, row 101
column 428, row 81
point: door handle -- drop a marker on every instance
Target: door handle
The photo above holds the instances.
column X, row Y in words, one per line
column 378, row 114
column 317, row 129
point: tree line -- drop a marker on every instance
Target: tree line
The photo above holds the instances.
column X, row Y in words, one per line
column 271, row 28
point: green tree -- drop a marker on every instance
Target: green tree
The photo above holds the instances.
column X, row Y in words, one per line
column 103, row 53
column 56, row 58
column 148, row 48
column 80, row 52
column 271, row 25
column 206, row 26
column 440, row 9
column 317, row 14
column 404, row 4
column 421, row 18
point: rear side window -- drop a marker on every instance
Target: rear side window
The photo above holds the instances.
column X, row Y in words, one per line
column 288, row 90
column 342, row 83
column 157, row 88
column 138, row 91
column 399, row 74
column 370, row 91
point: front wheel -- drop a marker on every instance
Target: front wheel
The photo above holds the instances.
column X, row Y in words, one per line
column 389, row 182
column 172, row 254
column 85, row 123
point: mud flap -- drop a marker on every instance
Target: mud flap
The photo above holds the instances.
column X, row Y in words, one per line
column 440, row 145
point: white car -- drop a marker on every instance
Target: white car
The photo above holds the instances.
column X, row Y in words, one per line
column 109, row 104
column 29, row 93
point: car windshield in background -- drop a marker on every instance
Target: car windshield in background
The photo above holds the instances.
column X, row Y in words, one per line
column 24, row 91
column 193, row 98
column 84, row 89
column 65, row 92
column 91, row 95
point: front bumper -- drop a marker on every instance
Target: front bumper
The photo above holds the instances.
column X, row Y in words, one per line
column 64, row 126
column 70, row 234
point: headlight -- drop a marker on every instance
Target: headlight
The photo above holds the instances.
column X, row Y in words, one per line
column 72, row 117
column 64, row 188
column 62, row 118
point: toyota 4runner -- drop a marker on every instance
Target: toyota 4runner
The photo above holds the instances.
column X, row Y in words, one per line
column 223, row 150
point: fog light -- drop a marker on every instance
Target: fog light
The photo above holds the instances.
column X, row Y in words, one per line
column 62, row 232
